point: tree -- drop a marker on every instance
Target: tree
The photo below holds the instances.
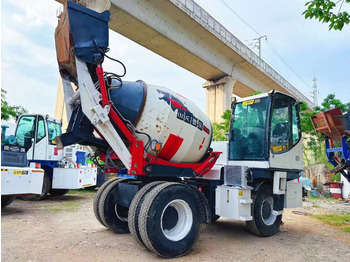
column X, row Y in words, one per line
column 323, row 10
column 220, row 129
column 8, row 111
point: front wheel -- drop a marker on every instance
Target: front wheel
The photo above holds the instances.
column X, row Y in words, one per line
column 6, row 200
column 170, row 219
column 265, row 222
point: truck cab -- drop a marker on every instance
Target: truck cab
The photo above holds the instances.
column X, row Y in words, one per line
column 265, row 132
column 264, row 158
column 37, row 133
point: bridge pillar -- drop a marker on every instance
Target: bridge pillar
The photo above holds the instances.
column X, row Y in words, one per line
column 219, row 95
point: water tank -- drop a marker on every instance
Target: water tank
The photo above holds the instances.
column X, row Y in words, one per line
column 183, row 129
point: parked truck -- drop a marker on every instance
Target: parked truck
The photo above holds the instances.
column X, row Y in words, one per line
column 64, row 169
column 164, row 140
column 17, row 179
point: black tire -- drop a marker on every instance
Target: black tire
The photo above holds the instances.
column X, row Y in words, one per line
column 113, row 216
column 97, row 199
column 264, row 222
column 58, row 192
column 6, row 200
column 214, row 218
column 134, row 210
column 170, row 219
column 45, row 190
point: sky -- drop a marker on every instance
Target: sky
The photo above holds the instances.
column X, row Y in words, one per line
column 29, row 71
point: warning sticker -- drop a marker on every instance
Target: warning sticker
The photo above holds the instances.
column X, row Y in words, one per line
column 250, row 102
column 247, row 103
column 276, row 149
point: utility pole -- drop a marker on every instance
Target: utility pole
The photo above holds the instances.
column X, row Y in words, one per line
column 258, row 45
column 315, row 92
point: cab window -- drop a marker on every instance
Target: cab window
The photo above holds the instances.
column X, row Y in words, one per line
column 54, row 130
column 41, row 129
column 295, row 125
column 285, row 127
column 25, row 131
column 247, row 131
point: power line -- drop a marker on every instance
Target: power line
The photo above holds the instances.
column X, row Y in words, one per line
column 275, row 51
column 269, row 44
column 240, row 17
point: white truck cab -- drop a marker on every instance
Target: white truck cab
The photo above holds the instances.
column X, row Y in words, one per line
column 37, row 133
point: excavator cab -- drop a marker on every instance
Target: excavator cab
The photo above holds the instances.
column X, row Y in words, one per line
column 265, row 131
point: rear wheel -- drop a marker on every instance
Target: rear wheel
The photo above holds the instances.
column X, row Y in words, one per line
column 170, row 220
column 265, row 222
column 58, row 192
column 97, row 199
column 134, row 210
column 6, row 200
column 45, row 190
column 112, row 215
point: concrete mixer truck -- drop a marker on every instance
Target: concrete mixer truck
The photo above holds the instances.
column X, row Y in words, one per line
column 182, row 179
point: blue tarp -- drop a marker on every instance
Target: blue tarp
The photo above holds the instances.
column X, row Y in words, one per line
column 305, row 182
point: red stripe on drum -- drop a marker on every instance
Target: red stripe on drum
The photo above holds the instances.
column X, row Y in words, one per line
column 206, row 130
column 170, row 147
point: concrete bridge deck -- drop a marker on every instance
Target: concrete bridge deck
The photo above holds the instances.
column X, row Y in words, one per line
column 184, row 33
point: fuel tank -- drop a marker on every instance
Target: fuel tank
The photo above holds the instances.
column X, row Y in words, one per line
column 160, row 114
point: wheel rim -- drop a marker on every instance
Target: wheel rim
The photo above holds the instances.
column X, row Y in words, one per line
column 266, row 211
column 176, row 220
column 121, row 212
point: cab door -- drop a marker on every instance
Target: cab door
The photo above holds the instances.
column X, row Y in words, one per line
column 286, row 151
column 53, row 130
column 25, row 134
column 41, row 141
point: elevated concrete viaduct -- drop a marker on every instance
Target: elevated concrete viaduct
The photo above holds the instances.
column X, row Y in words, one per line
column 186, row 34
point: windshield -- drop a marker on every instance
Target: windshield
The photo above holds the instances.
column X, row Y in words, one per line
column 54, row 130
column 25, row 131
column 248, row 130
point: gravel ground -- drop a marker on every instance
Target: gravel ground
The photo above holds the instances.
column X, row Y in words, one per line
column 65, row 229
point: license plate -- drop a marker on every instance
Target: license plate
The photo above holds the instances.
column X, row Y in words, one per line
column 17, row 172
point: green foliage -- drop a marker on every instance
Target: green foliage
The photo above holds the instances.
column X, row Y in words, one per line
column 256, row 93
column 328, row 12
column 331, row 102
column 335, row 177
column 71, row 206
column 220, row 129
column 322, row 199
column 8, row 111
column 85, row 191
column 340, row 221
column 315, row 142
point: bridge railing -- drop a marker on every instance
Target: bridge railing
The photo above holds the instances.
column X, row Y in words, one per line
column 195, row 11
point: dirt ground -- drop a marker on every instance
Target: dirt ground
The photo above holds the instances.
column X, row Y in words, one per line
column 65, row 229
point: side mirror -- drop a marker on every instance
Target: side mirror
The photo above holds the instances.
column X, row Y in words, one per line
column 233, row 102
